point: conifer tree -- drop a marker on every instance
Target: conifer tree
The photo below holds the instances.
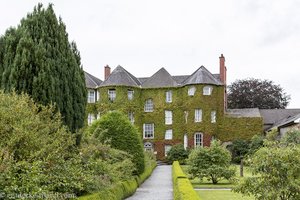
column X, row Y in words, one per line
column 37, row 58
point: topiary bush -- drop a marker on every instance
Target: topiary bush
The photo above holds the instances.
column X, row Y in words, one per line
column 115, row 129
column 177, row 153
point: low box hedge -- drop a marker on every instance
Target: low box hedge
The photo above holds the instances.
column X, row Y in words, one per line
column 123, row 189
column 182, row 187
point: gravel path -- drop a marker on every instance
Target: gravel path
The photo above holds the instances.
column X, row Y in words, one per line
column 158, row 186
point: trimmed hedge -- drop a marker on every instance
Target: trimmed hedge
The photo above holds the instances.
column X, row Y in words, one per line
column 182, row 187
column 121, row 190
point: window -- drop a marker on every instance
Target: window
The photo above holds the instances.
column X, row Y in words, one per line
column 169, row 96
column 148, row 146
column 198, row 115
column 130, row 94
column 112, row 95
column 148, row 105
column 198, row 140
column 186, row 114
column 131, row 117
column 91, row 96
column 98, row 116
column 169, row 134
column 213, row 116
column 167, row 149
column 98, row 96
column 168, row 117
column 207, row 90
column 185, row 141
column 91, row 118
column 191, row 91
column 148, row 131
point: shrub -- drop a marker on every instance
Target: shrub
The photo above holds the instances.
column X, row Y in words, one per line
column 177, row 153
column 37, row 153
column 211, row 162
column 115, row 129
column 182, row 187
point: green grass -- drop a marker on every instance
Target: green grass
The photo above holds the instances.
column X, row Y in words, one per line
column 221, row 184
column 221, row 195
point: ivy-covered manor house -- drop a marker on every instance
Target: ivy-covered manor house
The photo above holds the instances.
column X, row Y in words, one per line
column 167, row 110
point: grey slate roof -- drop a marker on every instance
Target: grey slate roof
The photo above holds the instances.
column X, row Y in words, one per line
column 180, row 79
column 161, row 78
column 202, row 75
column 91, row 81
column 287, row 121
column 275, row 117
column 120, row 76
column 245, row 112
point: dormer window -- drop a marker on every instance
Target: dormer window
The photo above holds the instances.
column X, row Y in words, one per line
column 148, row 105
column 130, row 94
column 112, row 95
column 207, row 90
column 191, row 91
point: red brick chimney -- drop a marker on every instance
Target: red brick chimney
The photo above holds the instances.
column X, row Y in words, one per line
column 106, row 72
column 223, row 69
column 223, row 78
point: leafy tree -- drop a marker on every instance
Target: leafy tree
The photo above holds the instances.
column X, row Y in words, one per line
column 177, row 152
column 211, row 162
column 256, row 93
column 291, row 137
column 276, row 173
column 37, row 58
column 116, row 130
column 257, row 141
column 239, row 149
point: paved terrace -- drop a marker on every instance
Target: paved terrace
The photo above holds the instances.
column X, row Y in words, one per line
column 158, row 186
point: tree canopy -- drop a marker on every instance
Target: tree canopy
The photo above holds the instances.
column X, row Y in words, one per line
column 211, row 162
column 37, row 58
column 256, row 93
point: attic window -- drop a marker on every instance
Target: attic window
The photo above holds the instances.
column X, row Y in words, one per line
column 207, row 90
column 191, row 91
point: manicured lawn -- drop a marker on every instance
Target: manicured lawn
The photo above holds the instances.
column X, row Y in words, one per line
column 222, row 184
column 221, row 195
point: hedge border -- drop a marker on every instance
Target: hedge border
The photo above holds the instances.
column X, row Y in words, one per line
column 123, row 189
column 182, row 187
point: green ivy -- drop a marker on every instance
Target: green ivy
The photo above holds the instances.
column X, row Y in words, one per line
column 225, row 129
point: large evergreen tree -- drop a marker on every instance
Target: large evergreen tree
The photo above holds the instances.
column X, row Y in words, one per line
column 37, row 58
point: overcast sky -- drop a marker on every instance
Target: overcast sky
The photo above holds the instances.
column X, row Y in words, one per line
column 259, row 38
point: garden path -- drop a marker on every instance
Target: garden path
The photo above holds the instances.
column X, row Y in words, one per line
column 158, row 186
